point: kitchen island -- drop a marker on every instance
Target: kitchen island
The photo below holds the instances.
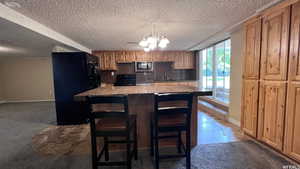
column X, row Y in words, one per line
column 141, row 103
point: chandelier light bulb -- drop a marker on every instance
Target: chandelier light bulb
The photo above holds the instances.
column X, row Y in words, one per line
column 151, row 40
column 152, row 46
column 143, row 43
column 162, row 45
column 164, row 40
column 146, row 49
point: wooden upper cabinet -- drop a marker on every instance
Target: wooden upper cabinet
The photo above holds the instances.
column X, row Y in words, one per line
column 181, row 59
column 158, row 56
column 125, row 56
column 252, row 48
column 294, row 71
column 271, row 113
column 141, row 56
column 184, row 60
column 178, row 60
column 161, row 56
column 101, row 59
column 107, row 60
column 189, row 60
column 130, row 56
column 292, row 136
column 275, row 41
column 171, row 56
column 120, row 57
column 250, row 107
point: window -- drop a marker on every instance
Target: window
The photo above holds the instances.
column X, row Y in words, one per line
column 207, row 69
column 215, row 70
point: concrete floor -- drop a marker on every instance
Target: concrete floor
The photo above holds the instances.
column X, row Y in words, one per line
column 220, row 146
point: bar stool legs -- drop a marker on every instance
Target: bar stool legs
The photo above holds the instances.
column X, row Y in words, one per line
column 156, row 151
column 179, row 143
column 94, row 147
column 106, row 155
column 188, row 149
column 135, row 143
column 128, row 152
column 151, row 140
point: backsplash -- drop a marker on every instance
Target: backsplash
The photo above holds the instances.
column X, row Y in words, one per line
column 162, row 71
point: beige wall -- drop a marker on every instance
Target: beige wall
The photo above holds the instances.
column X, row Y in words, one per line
column 27, row 78
column 1, row 90
column 236, row 76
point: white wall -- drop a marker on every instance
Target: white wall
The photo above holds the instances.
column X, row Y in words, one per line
column 236, row 76
column 27, row 78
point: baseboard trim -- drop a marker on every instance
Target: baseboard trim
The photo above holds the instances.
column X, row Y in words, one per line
column 28, row 101
column 235, row 122
column 2, row 101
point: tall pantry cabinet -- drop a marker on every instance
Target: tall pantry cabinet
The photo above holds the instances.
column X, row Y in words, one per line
column 271, row 87
column 274, row 57
column 251, row 76
column 292, row 125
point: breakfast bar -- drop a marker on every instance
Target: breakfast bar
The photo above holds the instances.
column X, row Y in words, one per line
column 141, row 103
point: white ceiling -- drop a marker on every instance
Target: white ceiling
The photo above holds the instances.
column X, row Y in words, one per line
column 17, row 41
column 111, row 24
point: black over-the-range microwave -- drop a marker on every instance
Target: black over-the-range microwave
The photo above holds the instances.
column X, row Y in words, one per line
column 143, row 66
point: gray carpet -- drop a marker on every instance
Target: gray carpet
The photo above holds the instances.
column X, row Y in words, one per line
column 236, row 155
column 20, row 122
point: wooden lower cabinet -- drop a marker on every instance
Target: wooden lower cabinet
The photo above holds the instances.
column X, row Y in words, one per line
column 250, row 107
column 292, row 125
column 271, row 113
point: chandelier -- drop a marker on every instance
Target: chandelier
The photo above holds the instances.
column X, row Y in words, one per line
column 153, row 41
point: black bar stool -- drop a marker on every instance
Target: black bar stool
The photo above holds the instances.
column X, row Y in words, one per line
column 172, row 119
column 109, row 124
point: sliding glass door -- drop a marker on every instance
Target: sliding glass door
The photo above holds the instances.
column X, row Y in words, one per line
column 215, row 70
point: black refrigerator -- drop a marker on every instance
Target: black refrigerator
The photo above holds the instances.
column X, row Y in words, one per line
column 73, row 73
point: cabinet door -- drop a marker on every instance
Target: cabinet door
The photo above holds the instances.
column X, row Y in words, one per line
column 101, row 58
column 157, row 56
column 129, row 56
column 178, row 60
column 271, row 113
column 190, row 60
column 292, row 142
column 252, row 48
column 109, row 61
column 120, row 57
column 171, row 56
column 275, row 44
column 142, row 56
column 250, row 107
column 294, row 72
column 125, row 56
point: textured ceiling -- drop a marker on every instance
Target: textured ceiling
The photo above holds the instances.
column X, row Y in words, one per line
column 17, row 41
column 111, row 24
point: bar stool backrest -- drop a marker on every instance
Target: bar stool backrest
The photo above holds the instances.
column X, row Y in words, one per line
column 105, row 107
column 173, row 104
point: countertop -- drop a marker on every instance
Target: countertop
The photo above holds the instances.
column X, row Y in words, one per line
column 144, row 89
